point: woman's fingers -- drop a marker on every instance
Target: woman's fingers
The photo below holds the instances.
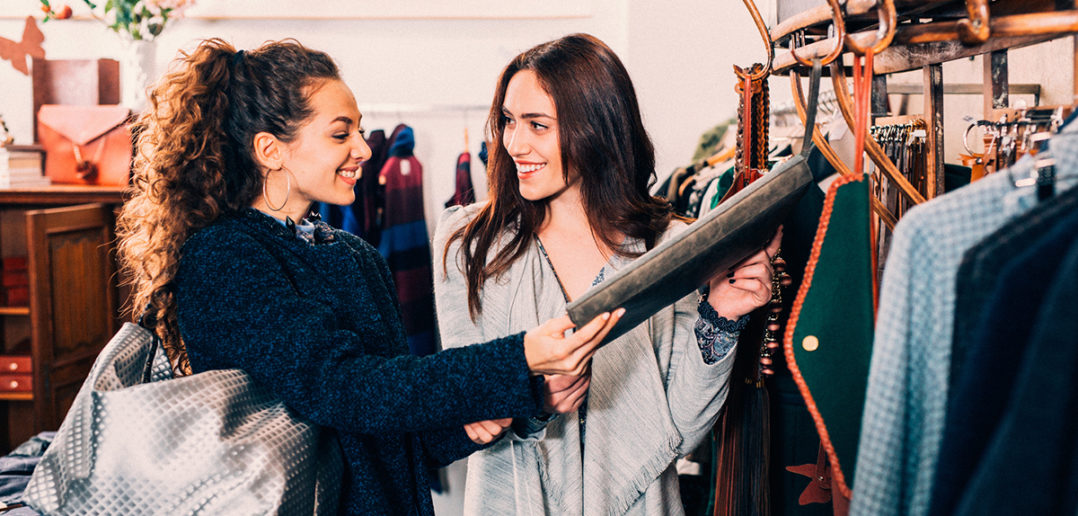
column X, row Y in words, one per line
column 773, row 246
column 556, row 383
column 581, row 357
column 557, row 326
column 474, row 433
column 757, row 270
column 603, row 328
column 483, row 432
column 585, row 333
column 560, row 390
column 749, row 285
column 571, row 400
column 547, row 351
column 495, row 426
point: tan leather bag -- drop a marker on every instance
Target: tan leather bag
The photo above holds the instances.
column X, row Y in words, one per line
column 86, row 145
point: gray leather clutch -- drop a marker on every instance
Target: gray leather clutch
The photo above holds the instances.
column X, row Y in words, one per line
column 733, row 231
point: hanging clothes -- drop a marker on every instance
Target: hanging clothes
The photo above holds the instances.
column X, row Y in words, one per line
column 828, row 349
column 368, row 214
column 483, row 153
column 1000, row 285
column 361, row 218
column 464, row 194
column 404, row 241
column 906, row 399
column 794, row 440
column 1038, row 423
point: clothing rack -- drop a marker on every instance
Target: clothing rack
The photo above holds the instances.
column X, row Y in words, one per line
column 827, row 100
column 926, row 35
column 965, row 89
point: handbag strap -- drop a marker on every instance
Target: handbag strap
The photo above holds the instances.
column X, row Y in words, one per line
column 87, row 169
column 147, row 321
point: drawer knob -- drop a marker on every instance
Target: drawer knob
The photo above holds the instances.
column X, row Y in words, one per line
column 14, row 384
column 14, row 366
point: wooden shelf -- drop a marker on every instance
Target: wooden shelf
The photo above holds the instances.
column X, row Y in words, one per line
column 819, row 16
column 14, row 310
column 927, row 32
column 16, row 396
column 63, row 194
column 902, row 57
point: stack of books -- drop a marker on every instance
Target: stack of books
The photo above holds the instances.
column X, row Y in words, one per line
column 22, row 166
column 16, row 281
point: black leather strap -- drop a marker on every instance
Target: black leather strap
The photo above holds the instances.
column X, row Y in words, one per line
column 810, row 111
column 148, row 322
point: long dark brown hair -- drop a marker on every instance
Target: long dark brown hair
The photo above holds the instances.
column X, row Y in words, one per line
column 602, row 138
column 195, row 158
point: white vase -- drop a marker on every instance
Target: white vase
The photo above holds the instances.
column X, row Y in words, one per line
column 136, row 73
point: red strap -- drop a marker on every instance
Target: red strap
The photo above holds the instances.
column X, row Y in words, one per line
column 862, row 92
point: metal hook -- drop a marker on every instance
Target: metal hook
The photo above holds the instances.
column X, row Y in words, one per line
column 1056, row 120
column 766, row 35
column 965, row 137
column 839, row 26
column 888, row 19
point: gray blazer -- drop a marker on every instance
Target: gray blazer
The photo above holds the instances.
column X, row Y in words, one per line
column 652, row 398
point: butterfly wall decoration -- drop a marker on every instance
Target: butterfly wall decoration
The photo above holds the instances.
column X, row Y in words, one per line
column 30, row 46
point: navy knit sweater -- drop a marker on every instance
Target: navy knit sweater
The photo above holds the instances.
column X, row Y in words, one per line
column 319, row 325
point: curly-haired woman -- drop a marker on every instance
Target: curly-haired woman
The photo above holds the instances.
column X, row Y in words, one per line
column 568, row 207
column 234, row 149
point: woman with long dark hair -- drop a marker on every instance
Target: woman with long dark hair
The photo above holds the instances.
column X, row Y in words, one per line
column 233, row 151
column 568, row 206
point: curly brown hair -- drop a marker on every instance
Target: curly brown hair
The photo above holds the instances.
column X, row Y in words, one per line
column 601, row 136
column 194, row 158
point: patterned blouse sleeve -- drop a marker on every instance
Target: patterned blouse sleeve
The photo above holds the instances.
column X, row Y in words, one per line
column 715, row 334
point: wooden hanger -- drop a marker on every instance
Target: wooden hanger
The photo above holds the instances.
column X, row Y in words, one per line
column 829, row 152
column 840, row 34
column 975, row 29
column 723, row 155
column 762, row 28
column 888, row 17
column 845, row 104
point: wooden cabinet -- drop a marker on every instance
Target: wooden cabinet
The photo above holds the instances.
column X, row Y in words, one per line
column 67, row 235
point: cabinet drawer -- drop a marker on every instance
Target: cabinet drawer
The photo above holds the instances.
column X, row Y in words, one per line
column 16, row 383
column 15, row 364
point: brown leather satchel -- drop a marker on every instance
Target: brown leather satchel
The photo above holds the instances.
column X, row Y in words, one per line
column 86, row 145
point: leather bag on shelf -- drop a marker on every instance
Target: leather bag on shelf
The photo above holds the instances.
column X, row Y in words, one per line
column 75, row 82
column 86, row 145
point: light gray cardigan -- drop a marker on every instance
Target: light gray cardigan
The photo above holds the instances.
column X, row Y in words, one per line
column 652, row 398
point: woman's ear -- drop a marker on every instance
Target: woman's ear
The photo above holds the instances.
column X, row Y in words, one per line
column 268, row 151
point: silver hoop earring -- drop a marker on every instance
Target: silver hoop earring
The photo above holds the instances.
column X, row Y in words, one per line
column 287, row 192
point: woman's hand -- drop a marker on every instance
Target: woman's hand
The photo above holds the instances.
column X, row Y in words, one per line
column 747, row 286
column 549, row 351
column 484, row 432
column 564, row 394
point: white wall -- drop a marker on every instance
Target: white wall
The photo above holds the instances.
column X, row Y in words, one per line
column 411, row 63
column 681, row 57
column 679, row 54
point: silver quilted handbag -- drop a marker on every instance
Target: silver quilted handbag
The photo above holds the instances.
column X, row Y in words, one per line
column 139, row 441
